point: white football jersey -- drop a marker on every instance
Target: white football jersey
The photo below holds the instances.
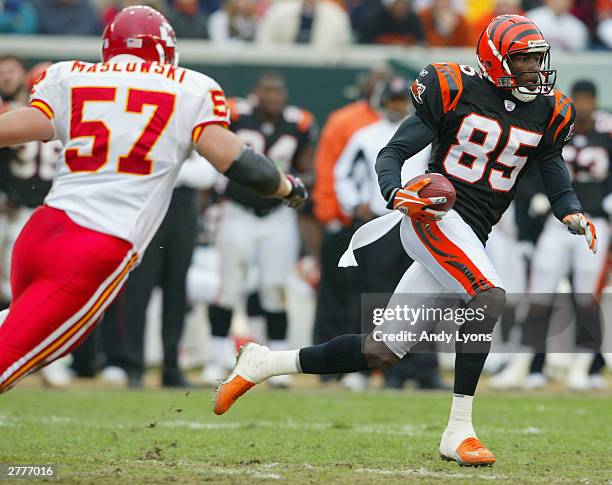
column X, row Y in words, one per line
column 126, row 126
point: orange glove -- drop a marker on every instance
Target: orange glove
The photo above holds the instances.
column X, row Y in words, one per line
column 578, row 223
column 407, row 200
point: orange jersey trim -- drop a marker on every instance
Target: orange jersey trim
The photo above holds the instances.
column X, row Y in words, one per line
column 197, row 131
column 44, row 107
column 562, row 103
column 449, row 77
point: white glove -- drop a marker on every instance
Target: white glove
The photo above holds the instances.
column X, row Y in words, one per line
column 578, row 223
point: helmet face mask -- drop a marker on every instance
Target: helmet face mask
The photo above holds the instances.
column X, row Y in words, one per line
column 546, row 76
column 512, row 35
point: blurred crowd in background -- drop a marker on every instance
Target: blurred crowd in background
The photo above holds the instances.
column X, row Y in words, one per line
column 566, row 24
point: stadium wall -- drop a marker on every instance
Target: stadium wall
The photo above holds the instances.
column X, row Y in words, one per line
column 318, row 80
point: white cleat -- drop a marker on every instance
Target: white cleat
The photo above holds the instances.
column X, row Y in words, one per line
column 114, row 376
column 578, row 381
column 212, row 375
column 495, row 362
column 597, row 381
column 355, row 382
column 56, row 375
column 578, row 375
column 251, row 368
column 463, row 447
column 535, row 381
column 513, row 375
column 280, row 382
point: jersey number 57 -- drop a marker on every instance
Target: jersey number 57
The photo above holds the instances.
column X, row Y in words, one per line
column 135, row 161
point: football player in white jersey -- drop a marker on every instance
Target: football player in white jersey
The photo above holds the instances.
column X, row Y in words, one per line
column 127, row 124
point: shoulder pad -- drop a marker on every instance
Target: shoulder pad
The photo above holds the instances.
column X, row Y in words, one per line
column 451, row 83
column 302, row 118
column 561, row 108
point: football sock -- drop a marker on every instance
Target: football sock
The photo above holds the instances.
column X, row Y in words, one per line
column 277, row 325
column 468, row 368
column 220, row 320
column 280, row 362
column 598, row 364
column 222, row 352
column 471, row 355
column 460, row 419
column 537, row 363
column 337, row 356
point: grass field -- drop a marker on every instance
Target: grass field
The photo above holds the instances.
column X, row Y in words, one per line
column 303, row 436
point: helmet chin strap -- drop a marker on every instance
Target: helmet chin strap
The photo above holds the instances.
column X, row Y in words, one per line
column 160, row 52
column 524, row 97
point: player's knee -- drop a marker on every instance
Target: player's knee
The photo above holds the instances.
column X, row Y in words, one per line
column 273, row 298
column 489, row 305
column 378, row 355
column 492, row 300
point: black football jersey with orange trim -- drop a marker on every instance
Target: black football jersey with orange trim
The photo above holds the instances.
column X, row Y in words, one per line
column 485, row 138
column 282, row 142
column 588, row 158
column 27, row 172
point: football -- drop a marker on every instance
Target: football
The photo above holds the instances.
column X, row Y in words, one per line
column 439, row 186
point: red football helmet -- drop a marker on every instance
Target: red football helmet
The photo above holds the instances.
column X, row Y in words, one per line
column 140, row 31
column 507, row 35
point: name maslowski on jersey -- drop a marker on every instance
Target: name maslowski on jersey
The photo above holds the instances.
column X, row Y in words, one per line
column 126, row 128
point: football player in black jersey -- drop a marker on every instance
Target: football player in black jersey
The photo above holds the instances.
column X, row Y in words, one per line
column 27, row 170
column 485, row 127
column 256, row 235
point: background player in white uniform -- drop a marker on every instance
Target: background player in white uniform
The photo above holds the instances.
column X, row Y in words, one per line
column 381, row 265
column 127, row 124
column 557, row 255
column 258, row 238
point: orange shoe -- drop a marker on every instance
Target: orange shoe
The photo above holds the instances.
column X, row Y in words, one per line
column 247, row 373
column 229, row 391
column 470, row 452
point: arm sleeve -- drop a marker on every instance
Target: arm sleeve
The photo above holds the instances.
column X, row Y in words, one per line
column 212, row 109
column 410, row 138
column 560, row 129
column 558, row 187
column 48, row 97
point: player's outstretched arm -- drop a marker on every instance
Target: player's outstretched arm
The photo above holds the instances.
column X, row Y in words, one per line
column 226, row 152
column 23, row 125
column 563, row 200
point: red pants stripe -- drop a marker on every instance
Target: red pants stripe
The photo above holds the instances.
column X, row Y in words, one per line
column 63, row 277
